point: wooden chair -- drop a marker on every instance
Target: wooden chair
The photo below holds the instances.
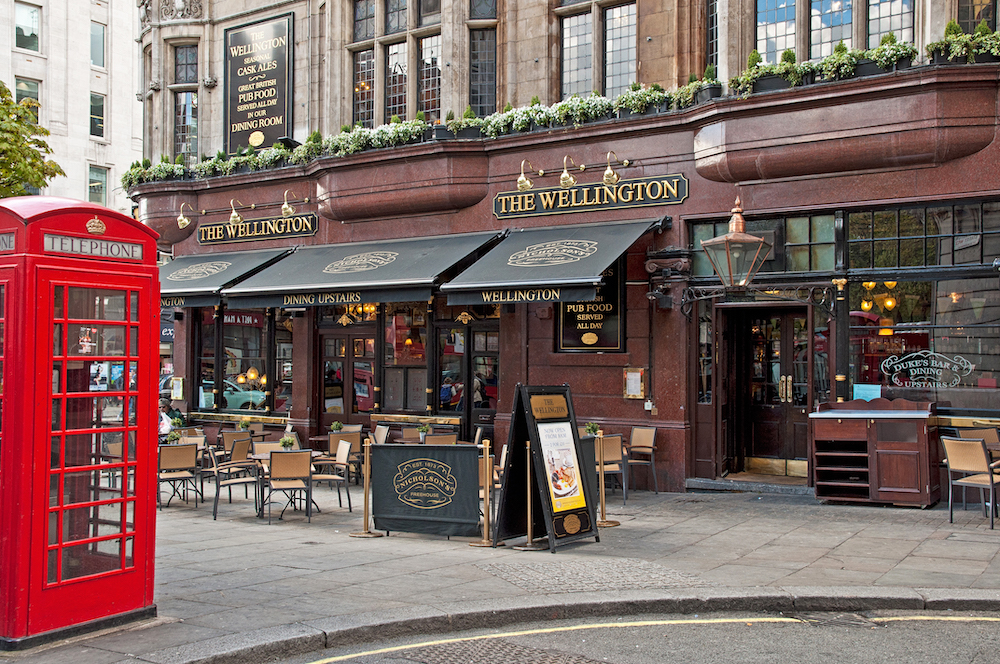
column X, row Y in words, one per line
column 441, row 439
column 642, row 451
column 380, row 434
column 352, row 428
column 971, row 460
column 337, row 468
column 615, row 462
column 178, row 468
column 354, row 457
column 228, row 438
column 290, row 474
column 240, row 471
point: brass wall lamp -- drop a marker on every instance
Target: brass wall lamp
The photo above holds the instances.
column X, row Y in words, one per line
column 567, row 180
column 286, row 208
column 182, row 221
column 235, row 217
column 523, row 183
column 610, row 177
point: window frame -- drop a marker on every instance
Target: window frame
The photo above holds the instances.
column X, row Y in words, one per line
column 98, row 120
column 91, row 170
column 597, row 13
column 103, row 45
column 38, row 35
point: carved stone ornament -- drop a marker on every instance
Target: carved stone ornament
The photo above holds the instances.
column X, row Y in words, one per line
column 154, row 85
column 145, row 12
column 172, row 10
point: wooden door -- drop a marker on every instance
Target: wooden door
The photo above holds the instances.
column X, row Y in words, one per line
column 779, row 386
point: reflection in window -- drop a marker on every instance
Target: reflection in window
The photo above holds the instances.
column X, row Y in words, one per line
column 972, row 12
column 577, row 67
column 927, row 341
column 364, row 92
column 775, row 28
column 97, row 44
column 96, row 115
column 395, row 81
column 483, row 71
column 283, row 329
column 186, row 126
column 483, row 9
column 429, row 83
column 27, row 26
column 97, row 187
column 395, row 16
column 885, row 16
column 405, row 382
column 619, row 49
column 245, row 378
column 830, row 23
column 430, row 11
column 364, row 19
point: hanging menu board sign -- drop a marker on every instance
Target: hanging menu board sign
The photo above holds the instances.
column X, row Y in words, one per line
column 543, row 427
column 258, row 85
column 595, row 325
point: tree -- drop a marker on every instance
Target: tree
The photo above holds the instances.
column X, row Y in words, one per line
column 23, row 151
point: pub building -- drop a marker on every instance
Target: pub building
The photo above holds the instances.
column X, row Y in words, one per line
column 429, row 279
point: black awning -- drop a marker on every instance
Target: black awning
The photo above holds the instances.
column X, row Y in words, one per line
column 404, row 270
column 197, row 280
column 551, row 264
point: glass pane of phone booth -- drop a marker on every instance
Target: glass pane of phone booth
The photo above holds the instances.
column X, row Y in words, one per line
column 92, row 467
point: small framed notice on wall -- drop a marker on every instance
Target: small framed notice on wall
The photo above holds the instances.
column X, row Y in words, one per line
column 635, row 382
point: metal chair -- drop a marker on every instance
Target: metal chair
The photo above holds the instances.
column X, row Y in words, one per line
column 615, row 461
column 290, row 474
column 178, row 468
column 239, row 471
column 338, row 466
column 971, row 459
column 642, row 451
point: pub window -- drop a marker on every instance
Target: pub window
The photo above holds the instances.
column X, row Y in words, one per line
column 405, row 359
column 244, row 372
column 96, row 115
column 972, row 12
column 577, row 58
column 483, row 71
column 395, row 16
column 204, row 390
column 885, row 16
column 712, row 39
column 619, row 49
column 430, row 11
column 364, row 19
column 926, row 341
column 964, row 234
column 249, row 370
column 429, row 99
column 364, row 92
column 830, row 24
column 482, row 9
column 395, row 81
column 798, row 243
column 97, row 186
column 775, row 28
column 27, row 26
column 283, row 385
column 186, row 126
column 97, row 31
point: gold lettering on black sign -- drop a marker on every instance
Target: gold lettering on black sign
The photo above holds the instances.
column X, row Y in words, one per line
column 549, row 406
column 302, row 225
column 660, row 190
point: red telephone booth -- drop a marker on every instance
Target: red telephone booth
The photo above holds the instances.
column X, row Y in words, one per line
column 79, row 334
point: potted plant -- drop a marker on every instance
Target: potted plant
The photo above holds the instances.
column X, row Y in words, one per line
column 840, row 64
column 639, row 100
column 422, row 430
column 591, row 428
column 336, row 425
column 466, row 126
column 890, row 54
column 955, row 48
column 711, row 87
column 286, row 442
column 244, row 423
column 987, row 43
column 173, row 436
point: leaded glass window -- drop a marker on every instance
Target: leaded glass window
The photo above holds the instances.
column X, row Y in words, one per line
column 429, row 100
column 430, row 12
column 830, row 23
column 364, row 19
column 885, row 16
column 483, row 71
column 577, row 59
column 395, row 16
column 483, row 9
column 713, row 32
column 619, row 49
column 395, row 81
column 972, row 12
column 186, row 126
column 775, row 28
column 364, row 88
column 186, row 64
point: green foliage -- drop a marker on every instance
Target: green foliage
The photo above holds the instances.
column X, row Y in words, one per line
column 315, row 137
column 887, row 39
column 952, row 29
column 840, row 48
column 164, row 159
column 345, row 128
column 449, row 116
column 22, row 144
column 890, row 52
column 692, row 77
column 146, row 163
column 535, row 101
column 840, row 64
column 395, row 119
column 982, row 29
column 638, row 98
column 508, row 107
column 754, row 59
column 468, row 112
column 788, row 55
column 286, row 442
column 179, row 159
column 591, row 427
column 424, row 428
column 173, row 436
column 419, row 116
column 709, row 76
column 336, row 425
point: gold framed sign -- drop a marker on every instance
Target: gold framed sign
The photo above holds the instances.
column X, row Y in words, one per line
column 634, row 379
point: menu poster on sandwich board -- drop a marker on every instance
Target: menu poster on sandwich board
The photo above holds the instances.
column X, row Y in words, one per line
column 562, row 505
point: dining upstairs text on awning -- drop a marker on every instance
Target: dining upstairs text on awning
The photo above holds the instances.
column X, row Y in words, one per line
column 404, row 270
column 197, row 280
column 551, row 264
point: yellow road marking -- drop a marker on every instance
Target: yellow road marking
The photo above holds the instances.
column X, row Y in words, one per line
column 636, row 623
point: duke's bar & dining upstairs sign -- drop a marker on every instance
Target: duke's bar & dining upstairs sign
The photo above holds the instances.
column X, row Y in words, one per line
column 590, row 197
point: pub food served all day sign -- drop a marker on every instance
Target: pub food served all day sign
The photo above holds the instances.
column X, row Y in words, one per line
column 258, row 84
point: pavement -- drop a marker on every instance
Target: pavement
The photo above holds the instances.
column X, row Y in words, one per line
column 240, row 590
